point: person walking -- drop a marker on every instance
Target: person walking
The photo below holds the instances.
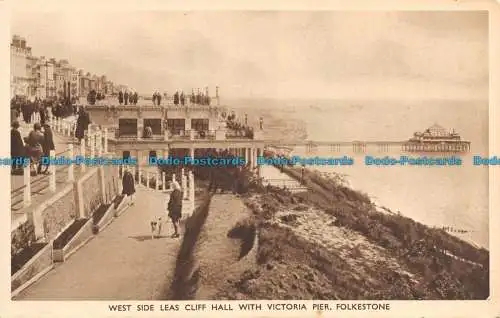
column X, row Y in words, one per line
column 16, row 144
column 34, row 141
column 128, row 185
column 82, row 124
column 175, row 207
column 14, row 114
column 47, row 146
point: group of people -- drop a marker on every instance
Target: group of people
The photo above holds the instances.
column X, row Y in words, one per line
column 174, row 206
column 39, row 142
column 26, row 108
column 179, row 98
column 126, row 98
column 156, row 98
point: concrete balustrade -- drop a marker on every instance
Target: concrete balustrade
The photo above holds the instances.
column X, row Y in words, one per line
column 191, row 189
column 164, row 179
column 147, row 179
column 106, row 140
column 52, row 172
column 184, row 185
column 27, row 186
column 82, row 153
column 71, row 167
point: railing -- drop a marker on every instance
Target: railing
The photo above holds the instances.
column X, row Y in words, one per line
column 285, row 183
column 190, row 134
column 157, row 181
column 95, row 143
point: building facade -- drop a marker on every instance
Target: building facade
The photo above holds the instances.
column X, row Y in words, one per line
column 21, row 79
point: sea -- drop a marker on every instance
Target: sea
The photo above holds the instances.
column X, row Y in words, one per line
column 456, row 197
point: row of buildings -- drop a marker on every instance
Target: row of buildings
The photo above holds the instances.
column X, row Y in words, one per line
column 44, row 78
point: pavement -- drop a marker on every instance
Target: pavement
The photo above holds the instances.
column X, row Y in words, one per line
column 121, row 263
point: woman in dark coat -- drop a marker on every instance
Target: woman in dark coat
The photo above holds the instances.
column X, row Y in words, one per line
column 120, row 97
column 47, row 146
column 82, row 124
column 128, row 185
column 16, row 143
column 175, row 207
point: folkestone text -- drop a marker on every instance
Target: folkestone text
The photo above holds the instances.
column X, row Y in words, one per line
column 248, row 306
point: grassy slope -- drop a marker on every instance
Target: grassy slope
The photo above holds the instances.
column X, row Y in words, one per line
column 293, row 267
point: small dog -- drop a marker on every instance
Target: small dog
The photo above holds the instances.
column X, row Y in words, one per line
column 156, row 226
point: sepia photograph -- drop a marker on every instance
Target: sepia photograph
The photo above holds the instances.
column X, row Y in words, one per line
column 249, row 155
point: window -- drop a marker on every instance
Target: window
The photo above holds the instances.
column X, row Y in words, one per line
column 155, row 125
column 199, row 124
column 126, row 154
column 127, row 127
column 176, row 125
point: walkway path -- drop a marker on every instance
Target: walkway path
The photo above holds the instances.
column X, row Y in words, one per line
column 120, row 263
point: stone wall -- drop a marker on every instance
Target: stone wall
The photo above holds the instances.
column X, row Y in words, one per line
column 76, row 200
column 91, row 193
column 57, row 216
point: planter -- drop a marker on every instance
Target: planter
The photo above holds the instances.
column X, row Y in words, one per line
column 29, row 265
column 102, row 217
column 74, row 237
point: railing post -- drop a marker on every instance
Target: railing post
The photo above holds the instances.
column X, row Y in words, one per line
column 164, row 179
column 184, row 185
column 139, row 181
column 82, row 154
column 105, row 140
column 92, row 145
column 191, row 189
column 71, row 175
column 120, row 177
column 27, row 186
column 147, row 180
column 133, row 173
column 157, row 181
column 52, row 171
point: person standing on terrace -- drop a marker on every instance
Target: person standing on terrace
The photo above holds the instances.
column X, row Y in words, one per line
column 176, row 98
column 120, row 97
column 182, row 98
column 135, row 98
column 125, row 97
column 158, row 98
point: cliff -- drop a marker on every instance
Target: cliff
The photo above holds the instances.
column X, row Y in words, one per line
column 332, row 243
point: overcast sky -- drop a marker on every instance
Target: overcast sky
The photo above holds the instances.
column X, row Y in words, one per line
column 363, row 55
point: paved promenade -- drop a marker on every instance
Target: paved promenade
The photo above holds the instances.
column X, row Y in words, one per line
column 121, row 262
